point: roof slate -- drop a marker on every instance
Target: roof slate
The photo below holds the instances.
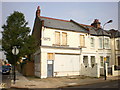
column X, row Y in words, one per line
column 62, row 24
column 74, row 26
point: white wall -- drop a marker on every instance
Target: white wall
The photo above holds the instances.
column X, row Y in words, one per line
column 66, row 65
column 90, row 71
column 73, row 40
column 115, row 72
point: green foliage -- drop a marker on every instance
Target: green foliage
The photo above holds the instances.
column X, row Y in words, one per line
column 0, row 41
column 16, row 33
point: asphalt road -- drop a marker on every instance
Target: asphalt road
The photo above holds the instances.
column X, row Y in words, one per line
column 106, row 84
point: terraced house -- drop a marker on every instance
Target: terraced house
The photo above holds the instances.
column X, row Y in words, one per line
column 66, row 47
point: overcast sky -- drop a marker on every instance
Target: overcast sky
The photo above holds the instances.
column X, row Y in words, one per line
column 82, row 12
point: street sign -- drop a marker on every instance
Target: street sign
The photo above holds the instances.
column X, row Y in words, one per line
column 15, row 51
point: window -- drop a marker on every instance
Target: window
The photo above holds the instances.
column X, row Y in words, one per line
column 92, row 61
column 108, row 60
column 82, row 40
column 100, row 43
column 92, row 42
column 101, row 61
column 57, row 38
column 64, row 38
column 85, row 61
column 106, row 43
column 118, row 44
column 50, row 56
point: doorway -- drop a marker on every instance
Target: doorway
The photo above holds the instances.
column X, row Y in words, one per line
column 50, row 64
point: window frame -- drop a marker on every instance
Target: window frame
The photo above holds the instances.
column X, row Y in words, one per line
column 92, row 42
column 82, row 40
column 64, row 38
column 107, row 43
column 100, row 43
column 101, row 61
column 57, row 38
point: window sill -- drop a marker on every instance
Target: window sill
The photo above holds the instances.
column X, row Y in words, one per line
column 117, row 50
column 92, row 47
column 55, row 45
column 64, row 45
column 103, row 49
column 81, row 46
column 60, row 45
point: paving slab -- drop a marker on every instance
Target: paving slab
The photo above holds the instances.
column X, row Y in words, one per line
column 56, row 82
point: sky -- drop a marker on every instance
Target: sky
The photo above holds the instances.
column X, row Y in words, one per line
column 82, row 12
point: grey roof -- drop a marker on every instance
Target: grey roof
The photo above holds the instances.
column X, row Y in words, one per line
column 62, row 24
column 102, row 32
column 114, row 33
column 97, row 32
column 92, row 30
column 74, row 26
column 117, row 34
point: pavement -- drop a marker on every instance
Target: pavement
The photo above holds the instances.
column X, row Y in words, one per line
column 56, row 82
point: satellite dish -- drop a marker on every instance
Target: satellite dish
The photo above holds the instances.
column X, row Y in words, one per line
column 15, row 51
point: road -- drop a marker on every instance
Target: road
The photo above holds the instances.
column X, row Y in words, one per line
column 106, row 84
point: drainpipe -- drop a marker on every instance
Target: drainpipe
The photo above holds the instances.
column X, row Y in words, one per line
column 80, row 59
column 114, row 51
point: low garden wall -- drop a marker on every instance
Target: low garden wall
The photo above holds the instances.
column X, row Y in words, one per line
column 90, row 71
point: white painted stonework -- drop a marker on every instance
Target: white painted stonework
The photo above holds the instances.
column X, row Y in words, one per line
column 90, row 71
column 66, row 65
column 69, row 60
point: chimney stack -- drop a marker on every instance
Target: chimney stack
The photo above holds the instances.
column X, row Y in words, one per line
column 38, row 11
column 96, row 24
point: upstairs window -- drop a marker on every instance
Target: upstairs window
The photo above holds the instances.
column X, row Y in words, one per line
column 118, row 44
column 57, row 38
column 106, row 42
column 64, row 38
column 92, row 42
column 82, row 40
column 100, row 43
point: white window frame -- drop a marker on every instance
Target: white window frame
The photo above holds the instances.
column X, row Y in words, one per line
column 107, row 43
column 100, row 43
column 92, row 42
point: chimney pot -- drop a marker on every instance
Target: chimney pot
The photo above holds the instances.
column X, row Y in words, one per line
column 96, row 24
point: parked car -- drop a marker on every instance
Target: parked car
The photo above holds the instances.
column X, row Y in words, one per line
column 5, row 70
column 9, row 65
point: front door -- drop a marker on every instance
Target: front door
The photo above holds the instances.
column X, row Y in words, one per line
column 50, row 68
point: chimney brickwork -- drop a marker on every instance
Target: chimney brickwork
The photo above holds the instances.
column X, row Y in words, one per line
column 38, row 11
column 96, row 24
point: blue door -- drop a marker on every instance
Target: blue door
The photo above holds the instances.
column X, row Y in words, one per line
column 50, row 68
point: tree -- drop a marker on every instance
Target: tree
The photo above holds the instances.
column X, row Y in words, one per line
column 16, row 33
column 0, row 41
